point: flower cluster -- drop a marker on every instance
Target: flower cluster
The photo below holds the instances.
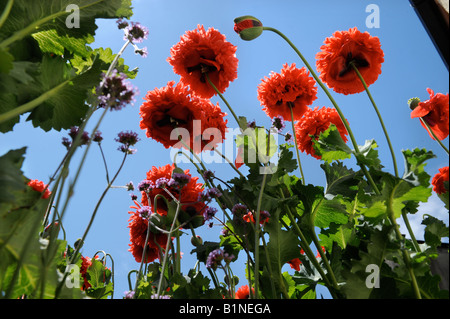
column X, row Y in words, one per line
column 339, row 52
column 202, row 53
column 292, row 88
column 84, row 138
column 138, row 225
column 127, row 139
column 216, row 257
column 176, row 117
column 314, row 122
column 115, row 92
column 440, row 181
column 188, row 196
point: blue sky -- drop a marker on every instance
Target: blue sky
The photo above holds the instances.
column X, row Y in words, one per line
column 411, row 65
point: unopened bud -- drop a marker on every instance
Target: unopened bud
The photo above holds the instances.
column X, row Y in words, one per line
column 196, row 241
column 248, row 27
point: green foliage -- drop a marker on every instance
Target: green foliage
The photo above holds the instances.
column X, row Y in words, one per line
column 40, row 55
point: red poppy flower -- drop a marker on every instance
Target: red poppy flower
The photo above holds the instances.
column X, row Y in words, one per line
column 295, row 263
column 293, row 87
column 315, row 122
column 173, row 107
column 333, row 61
column 213, row 127
column 188, row 196
column 243, row 292
column 439, row 179
column 201, row 51
column 264, row 217
column 138, row 226
column 39, row 186
column 435, row 112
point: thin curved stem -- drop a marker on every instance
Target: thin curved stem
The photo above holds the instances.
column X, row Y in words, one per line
column 222, row 97
column 295, row 142
column 336, row 106
column 433, row 134
column 379, row 116
column 257, row 235
column 6, row 12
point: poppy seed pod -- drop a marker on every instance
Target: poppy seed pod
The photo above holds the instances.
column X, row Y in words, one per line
column 413, row 103
column 248, row 27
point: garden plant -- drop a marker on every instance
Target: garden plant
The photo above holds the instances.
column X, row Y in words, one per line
column 344, row 237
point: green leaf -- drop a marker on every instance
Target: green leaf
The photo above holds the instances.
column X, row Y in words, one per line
column 66, row 94
column 11, row 180
column 28, row 17
column 330, row 145
column 6, row 60
column 368, row 155
column 282, row 247
column 51, row 42
column 357, row 278
column 317, row 210
column 340, row 180
column 99, row 277
column 395, row 196
column 435, row 230
column 415, row 166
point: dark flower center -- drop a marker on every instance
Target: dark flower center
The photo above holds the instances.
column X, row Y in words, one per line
column 358, row 62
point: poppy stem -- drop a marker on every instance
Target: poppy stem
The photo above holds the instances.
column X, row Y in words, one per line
column 330, row 97
column 295, row 142
column 434, row 135
column 257, row 234
column 222, row 97
column 379, row 116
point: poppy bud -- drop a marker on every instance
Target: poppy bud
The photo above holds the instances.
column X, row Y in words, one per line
column 248, row 27
column 196, row 241
column 413, row 102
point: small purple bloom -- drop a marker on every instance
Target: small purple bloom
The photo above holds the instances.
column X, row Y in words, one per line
column 179, row 180
column 251, row 124
column 215, row 258
column 142, row 52
column 162, row 182
column 209, row 213
column 130, row 186
column 115, row 92
column 121, row 24
column 288, row 137
column 135, row 32
column 97, row 137
column 278, row 123
column 66, row 142
column 239, row 210
column 145, row 211
column 208, row 175
column 145, row 186
column 133, row 197
column 128, row 138
column 129, row 294
column 209, row 194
